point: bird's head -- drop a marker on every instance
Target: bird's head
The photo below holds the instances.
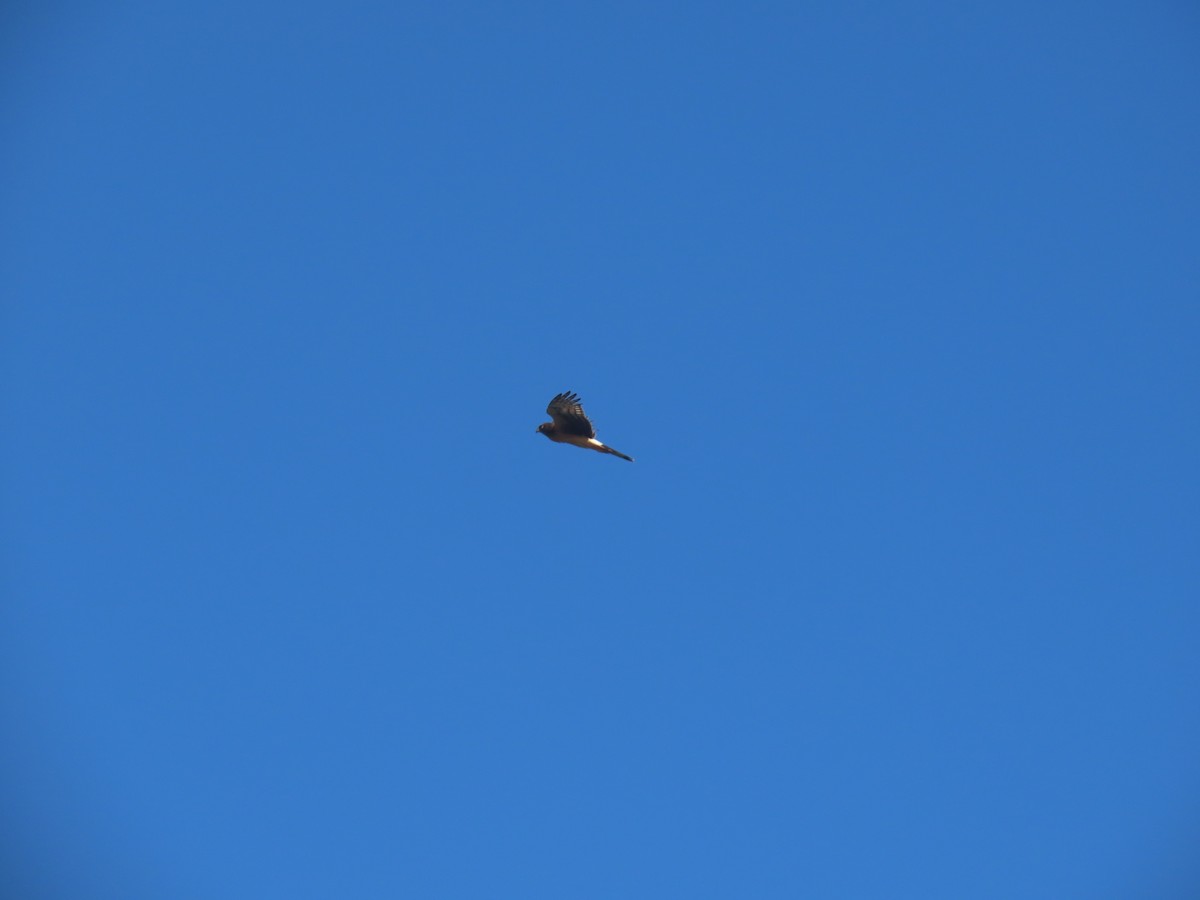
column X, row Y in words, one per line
column 545, row 427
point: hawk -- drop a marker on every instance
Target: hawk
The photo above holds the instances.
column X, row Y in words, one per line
column 572, row 426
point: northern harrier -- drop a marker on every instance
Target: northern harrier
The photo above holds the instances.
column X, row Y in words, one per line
column 572, row 426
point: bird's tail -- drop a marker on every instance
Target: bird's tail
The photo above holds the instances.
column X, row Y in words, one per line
column 608, row 449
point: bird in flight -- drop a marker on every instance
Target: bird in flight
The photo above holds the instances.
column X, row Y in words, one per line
column 572, row 426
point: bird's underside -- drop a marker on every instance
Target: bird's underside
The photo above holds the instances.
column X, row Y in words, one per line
column 587, row 444
column 570, row 425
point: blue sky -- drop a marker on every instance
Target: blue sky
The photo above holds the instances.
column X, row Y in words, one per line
column 895, row 305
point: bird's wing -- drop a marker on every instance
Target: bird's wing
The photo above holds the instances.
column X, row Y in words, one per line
column 569, row 417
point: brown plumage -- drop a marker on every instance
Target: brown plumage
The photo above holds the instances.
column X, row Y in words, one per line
column 571, row 425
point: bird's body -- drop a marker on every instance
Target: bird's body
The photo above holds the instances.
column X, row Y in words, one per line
column 570, row 425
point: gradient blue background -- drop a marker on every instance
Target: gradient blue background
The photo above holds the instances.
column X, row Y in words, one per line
column 895, row 304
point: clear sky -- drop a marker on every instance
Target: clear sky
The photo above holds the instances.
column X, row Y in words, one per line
column 897, row 305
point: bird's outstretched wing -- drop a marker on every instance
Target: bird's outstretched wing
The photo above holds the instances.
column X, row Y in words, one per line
column 569, row 417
